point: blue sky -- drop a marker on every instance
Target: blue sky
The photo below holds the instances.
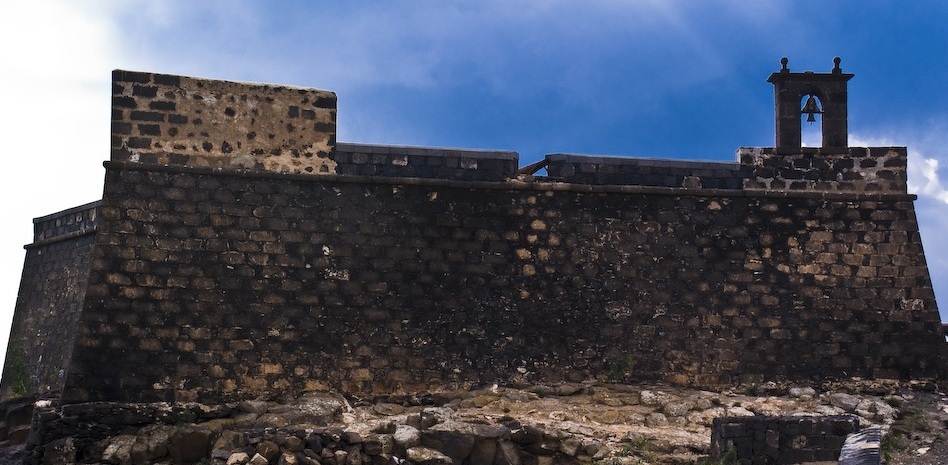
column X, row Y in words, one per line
column 675, row 79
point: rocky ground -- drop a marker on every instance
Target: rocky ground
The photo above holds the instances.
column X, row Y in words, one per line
column 919, row 434
column 622, row 424
column 671, row 425
column 599, row 423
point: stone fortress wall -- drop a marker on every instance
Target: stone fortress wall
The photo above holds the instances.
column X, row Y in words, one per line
column 240, row 252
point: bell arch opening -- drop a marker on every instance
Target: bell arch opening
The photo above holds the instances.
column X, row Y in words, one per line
column 811, row 120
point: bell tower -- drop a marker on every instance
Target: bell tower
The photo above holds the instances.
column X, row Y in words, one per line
column 825, row 94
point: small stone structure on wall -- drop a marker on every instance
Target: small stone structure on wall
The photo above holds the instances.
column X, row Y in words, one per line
column 764, row 440
column 240, row 252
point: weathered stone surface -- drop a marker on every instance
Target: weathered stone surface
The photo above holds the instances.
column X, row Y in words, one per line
column 59, row 452
column 571, row 446
column 847, row 402
column 407, row 437
column 802, row 392
column 378, row 444
column 229, row 440
column 351, row 437
column 678, row 409
column 294, row 444
column 426, row 456
column 287, row 458
column 119, row 450
column 314, row 408
column 655, row 419
column 269, row 450
column 506, row 454
column 154, row 442
column 238, row 458
column 253, row 406
column 484, row 451
column 189, row 444
column 648, row 397
column 454, row 444
column 386, row 408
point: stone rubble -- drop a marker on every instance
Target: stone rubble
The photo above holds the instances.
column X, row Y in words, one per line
column 564, row 424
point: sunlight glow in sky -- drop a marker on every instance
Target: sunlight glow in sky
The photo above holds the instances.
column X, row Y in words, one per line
column 671, row 79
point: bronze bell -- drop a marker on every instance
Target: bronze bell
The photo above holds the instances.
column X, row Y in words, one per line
column 811, row 108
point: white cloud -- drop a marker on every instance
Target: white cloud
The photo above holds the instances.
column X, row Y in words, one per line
column 54, row 85
column 927, row 179
column 924, row 172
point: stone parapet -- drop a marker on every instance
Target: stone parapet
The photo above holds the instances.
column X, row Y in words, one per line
column 587, row 169
column 856, row 169
column 424, row 162
column 65, row 224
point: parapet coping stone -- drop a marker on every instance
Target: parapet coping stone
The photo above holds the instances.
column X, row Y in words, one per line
column 641, row 161
column 427, row 151
column 529, row 183
column 816, row 150
column 143, row 77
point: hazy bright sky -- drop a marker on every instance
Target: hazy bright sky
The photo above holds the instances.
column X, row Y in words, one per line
column 674, row 78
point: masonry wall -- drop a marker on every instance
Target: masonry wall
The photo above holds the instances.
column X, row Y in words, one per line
column 216, row 286
column 49, row 302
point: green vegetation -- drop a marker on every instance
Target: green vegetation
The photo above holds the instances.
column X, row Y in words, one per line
column 893, row 401
column 619, row 368
column 914, row 419
column 639, row 447
column 889, row 445
column 729, row 458
column 20, row 383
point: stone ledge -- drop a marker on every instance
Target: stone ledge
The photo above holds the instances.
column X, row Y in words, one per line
column 635, row 161
column 540, row 184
